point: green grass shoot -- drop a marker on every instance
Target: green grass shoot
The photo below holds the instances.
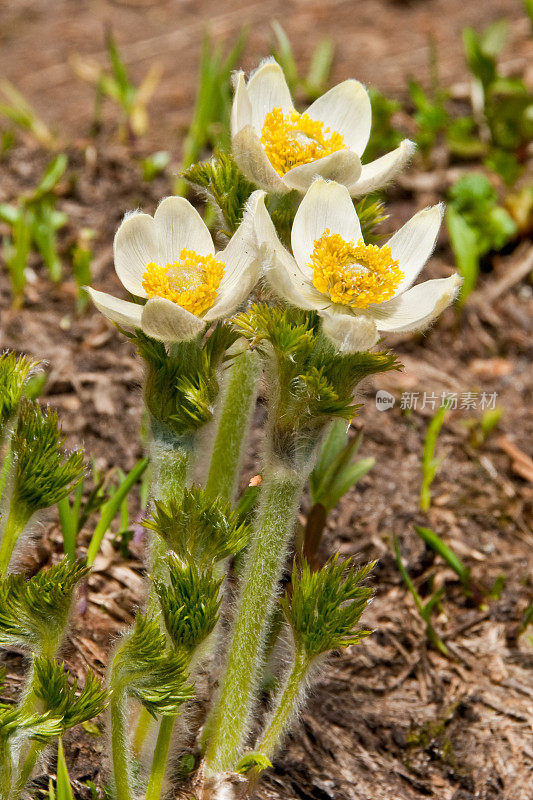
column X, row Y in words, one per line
column 430, row 462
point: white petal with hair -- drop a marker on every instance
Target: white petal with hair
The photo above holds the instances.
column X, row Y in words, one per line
column 329, row 206
column 176, row 225
column 344, row 109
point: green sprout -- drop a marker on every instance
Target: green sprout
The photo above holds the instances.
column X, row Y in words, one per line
column 34, row 222
column 154, row 165
column 210, row 124
column 118, row 87
column 431, row 463
column 148, row 670
column 316, row 81
column 15, row 372
column 424, row 609
column 477, row 225
column 82, row 256
column 325, row 606
column 430, row 538
column 507, row 103
column 16, row 108
column 336, row 471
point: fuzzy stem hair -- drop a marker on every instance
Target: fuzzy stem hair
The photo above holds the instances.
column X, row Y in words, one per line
column 230, row 720
column 237, row 407
column 286, row 705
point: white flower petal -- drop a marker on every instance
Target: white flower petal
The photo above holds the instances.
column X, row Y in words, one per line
column 280, row 268
column 346, row 109
column 413, row 244
column 179, row 225
column 343, row 166
column 120, row 311
column 267, row 89
column 351, row 332
column 416, row 308
column 167, row 321
column 134, row 247
column 241, row 109
column 250, row 156
column 326, row 205
column 379, row 172
column 242, row 264
column 241, row 253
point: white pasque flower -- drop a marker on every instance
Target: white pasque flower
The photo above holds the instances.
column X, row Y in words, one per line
column 279, row 149
column 170, row 259
column 359, row 290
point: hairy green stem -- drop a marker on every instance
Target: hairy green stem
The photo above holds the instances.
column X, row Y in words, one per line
column 286, row 705
column 15, row 524
column 237, row 407
column 6, row 466
column 27, row 768
column 119, row 745
column 171, row 460
column 275, row 522
column 159, row 763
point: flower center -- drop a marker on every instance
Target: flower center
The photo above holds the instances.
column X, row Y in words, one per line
column 191, row 282
column 354, row 275
column 293, row 139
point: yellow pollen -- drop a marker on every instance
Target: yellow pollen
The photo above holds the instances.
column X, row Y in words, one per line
column 191, row 282
column 293, row 139
column 354, row 275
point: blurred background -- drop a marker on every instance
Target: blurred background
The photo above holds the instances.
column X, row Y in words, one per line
column 381, row 42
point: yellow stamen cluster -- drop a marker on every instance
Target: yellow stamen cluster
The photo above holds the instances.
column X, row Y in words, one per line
column 293, row 139
column 352, row 274
column 191, row 282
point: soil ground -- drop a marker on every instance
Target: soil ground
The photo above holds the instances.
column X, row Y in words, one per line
column 391, row 719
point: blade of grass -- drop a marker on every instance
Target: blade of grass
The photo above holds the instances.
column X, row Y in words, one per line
column 438, row 546
column 111, row 508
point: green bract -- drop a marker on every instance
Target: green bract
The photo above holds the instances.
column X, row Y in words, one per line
column 316, row 382
column 199, row 530
column 325, row 606
column 145, row 667
column 43, row 474
column 182, row 383
column 189, row 604
column 60, row 699
column 34, row 611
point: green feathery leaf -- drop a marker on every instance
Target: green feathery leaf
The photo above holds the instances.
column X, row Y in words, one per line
column 39, row 727
column 146, row 668
column 325, row 606
column 34, row 611
column 182, row 386
column 316, row 383
column 199, row 530
column 14, row 372
column 61, row 699
column 225, row 184
column 43, row 474
column 190, row 603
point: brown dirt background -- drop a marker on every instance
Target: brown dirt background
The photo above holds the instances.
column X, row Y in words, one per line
column 392, row 719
